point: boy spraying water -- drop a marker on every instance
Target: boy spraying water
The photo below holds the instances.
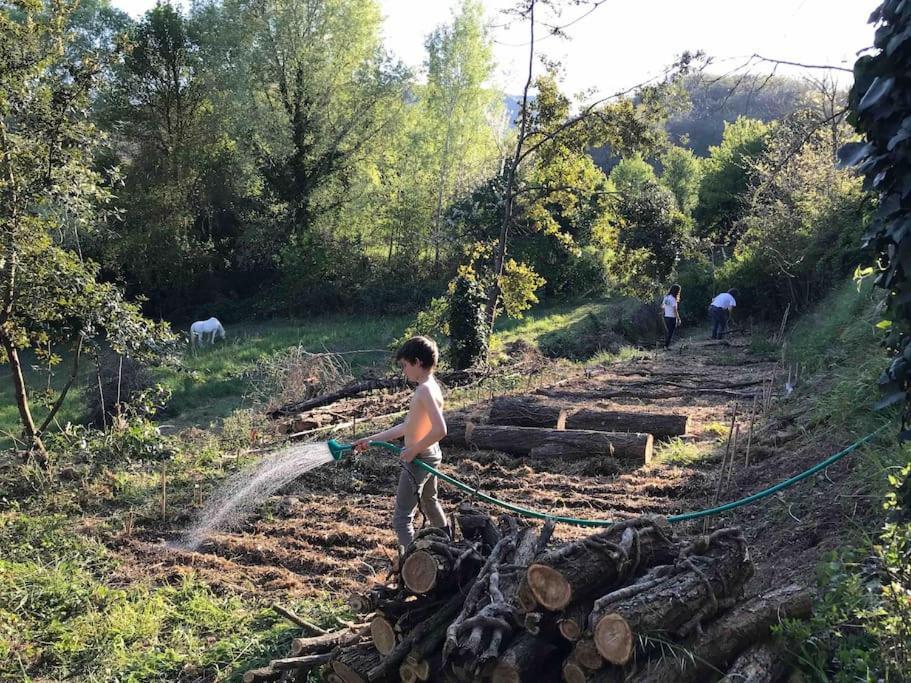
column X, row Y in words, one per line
column 422, row 430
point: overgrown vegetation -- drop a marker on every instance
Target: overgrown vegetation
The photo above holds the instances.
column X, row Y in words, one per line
column 859, row 630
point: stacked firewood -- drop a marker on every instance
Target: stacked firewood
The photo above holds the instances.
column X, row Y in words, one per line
column 632, row 602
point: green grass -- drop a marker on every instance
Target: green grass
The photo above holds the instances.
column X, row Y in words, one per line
column 678, row 452
column 63, row 616
column 212, row 382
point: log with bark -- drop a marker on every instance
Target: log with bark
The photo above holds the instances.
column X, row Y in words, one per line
column 529, row 658
column 533, row 411
column 764, row 662
column 709, row 575
column 727, row 636
column 539, row 442
column 433, row 563
column 585, row 567
column 314, row 645
column 353, row 664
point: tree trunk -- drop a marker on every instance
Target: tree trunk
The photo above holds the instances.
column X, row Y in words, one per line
column 364, row 603
column 432, row 563
column 583, row 568
column 531, row 411
column 727, row 636
column 760, row 663
column 353, row 664
column 265, row 674
column 540, row 442
column 301, row 647
column 487, row 624
column 574, row 619
column 33, row 439
column 529, row 658
column 713, row 570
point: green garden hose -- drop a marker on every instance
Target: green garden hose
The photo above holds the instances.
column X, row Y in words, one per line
column 338, row 450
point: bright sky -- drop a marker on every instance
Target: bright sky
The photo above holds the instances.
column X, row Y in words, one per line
column 625, row 42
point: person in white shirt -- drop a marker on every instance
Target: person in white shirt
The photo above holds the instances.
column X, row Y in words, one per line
column 671, row 308
column 720, row 312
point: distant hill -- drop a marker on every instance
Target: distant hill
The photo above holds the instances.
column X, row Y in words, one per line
column 718, row 99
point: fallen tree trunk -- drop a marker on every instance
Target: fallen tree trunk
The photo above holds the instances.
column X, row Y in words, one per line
column 539, row 442
column 347, row 391
column 727, row 636
column 529, row 411
column 583, row 568
column 712, row 571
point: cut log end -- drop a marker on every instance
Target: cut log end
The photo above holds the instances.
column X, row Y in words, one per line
column 419, row 572
column 346, row 673
column 614, row 639
column 586, row 654
column 549, row 587
column 569, row 629
column 383, row 635
column 407, row 674
column 505, row 673
column 573, row 672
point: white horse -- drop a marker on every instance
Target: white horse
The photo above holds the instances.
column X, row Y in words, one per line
column 201, row 328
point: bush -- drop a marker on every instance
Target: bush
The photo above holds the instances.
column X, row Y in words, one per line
column 467, row 323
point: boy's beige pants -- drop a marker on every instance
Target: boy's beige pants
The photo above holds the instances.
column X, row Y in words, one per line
column 417, row 486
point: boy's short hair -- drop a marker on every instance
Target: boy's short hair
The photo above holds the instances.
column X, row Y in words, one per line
column 421, row 350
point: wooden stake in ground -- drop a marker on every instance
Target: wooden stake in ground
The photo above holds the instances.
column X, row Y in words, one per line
column 164, row 489
column 746, row 462
column 733, row 457
column 724, row 460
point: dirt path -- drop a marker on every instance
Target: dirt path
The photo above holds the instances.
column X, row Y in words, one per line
column 331, row 531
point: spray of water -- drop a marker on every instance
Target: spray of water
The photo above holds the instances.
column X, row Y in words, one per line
column 246, row 490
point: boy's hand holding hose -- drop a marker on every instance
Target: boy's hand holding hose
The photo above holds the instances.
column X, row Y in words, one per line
column 408, row 454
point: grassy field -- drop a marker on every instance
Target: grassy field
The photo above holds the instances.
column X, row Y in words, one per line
column 213, row 382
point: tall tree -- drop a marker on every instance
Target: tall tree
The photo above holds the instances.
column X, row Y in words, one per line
column 726, row 177
column 462, row 109
column 50, row 294
column 681, row 174
column 323, row 92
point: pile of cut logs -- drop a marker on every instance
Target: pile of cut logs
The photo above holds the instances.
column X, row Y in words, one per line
column 633, row 602
column 539, row 427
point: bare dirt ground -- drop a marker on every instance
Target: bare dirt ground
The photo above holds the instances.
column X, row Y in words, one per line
column 330, row 531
